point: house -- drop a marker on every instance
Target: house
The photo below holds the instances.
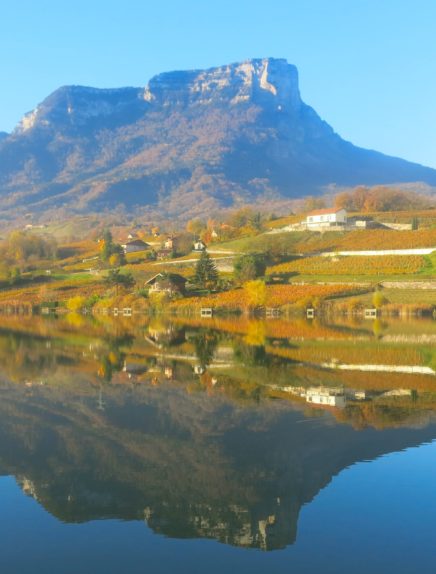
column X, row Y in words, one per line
column 170, row 283
column 169, row 243
column 135, row 245
column 331, row 217
column 199, row 246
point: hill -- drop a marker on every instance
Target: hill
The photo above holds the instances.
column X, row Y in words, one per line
column 187, row 143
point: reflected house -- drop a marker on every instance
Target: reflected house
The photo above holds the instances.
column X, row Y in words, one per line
column 165, row 335
column 132, row 367
column 325, row 396
column 169, row 372
column 398, row 393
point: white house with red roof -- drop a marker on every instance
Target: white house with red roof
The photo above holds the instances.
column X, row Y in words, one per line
column 330, row 217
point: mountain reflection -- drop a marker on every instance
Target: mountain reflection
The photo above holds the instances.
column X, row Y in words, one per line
column 216, row 430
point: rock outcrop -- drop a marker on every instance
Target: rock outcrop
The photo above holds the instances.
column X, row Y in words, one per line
column 187, row 142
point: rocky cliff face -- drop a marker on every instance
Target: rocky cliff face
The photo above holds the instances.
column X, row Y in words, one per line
column 267, row 82
column 187, row 142
column 190, row 467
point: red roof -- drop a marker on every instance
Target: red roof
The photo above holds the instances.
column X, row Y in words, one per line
column 327, row 211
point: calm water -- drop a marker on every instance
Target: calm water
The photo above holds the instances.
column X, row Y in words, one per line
column 217, row 445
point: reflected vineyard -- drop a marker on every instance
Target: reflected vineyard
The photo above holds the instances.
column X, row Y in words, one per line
column 208, row 428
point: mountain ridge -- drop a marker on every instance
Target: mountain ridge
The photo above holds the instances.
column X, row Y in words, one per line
column 189, row 141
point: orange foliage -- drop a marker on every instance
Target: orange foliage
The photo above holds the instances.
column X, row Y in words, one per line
column 273, row 328
column 276, row 296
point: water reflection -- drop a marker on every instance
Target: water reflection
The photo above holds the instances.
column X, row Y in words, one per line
column 221, row 429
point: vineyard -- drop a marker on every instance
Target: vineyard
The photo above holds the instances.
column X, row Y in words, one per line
column 353, row 265
column 276, row 296
column 55, row 290
column 351, row 354
column 364, row 240
column 275, row 328
column 363, row 381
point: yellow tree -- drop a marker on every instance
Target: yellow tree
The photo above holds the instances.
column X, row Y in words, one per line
column 256, row 293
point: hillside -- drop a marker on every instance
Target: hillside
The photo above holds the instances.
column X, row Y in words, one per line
column 187, row 143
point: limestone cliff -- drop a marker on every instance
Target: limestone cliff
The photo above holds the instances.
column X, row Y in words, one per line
column 186, row 143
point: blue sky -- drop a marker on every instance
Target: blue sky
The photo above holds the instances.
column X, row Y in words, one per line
column 367, row 66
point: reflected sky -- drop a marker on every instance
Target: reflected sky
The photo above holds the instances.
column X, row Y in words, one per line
column 172, row 447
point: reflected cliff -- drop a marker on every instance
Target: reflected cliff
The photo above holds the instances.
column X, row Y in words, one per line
column 204, row 430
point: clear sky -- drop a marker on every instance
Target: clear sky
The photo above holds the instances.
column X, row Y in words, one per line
column 368, row 67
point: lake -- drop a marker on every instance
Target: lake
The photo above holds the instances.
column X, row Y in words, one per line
column 219, row 445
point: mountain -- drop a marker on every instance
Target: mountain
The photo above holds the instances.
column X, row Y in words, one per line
column 187, row 142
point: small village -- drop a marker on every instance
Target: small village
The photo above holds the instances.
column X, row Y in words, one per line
column 326, row 261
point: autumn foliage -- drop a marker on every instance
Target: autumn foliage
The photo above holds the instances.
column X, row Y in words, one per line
column 275, row 296
column 352, row 265
column 381, row 198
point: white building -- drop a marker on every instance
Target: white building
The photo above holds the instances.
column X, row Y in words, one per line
column 199, row 246
column 326, row 217
column 331, row 397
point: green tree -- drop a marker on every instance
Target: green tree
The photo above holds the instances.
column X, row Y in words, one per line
column 107, row 246
column 206, row 273
column 248, row 267
column 14, row 275
column 117, row 279
column 112, row 252
column 256, row 221
column 205, row 346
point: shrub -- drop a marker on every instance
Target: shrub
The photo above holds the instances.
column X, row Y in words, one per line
column 250, row 266
column 76, row 303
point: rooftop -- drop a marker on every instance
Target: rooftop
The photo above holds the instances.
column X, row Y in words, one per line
column 326, row 211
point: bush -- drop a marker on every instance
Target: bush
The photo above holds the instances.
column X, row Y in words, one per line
column 249, row 267
column 76, row 303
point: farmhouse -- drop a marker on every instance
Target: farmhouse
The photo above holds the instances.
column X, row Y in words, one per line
column 170, row 283
column 135, row 245
column 326, row 218
column 199, row 246
column 169, row 243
